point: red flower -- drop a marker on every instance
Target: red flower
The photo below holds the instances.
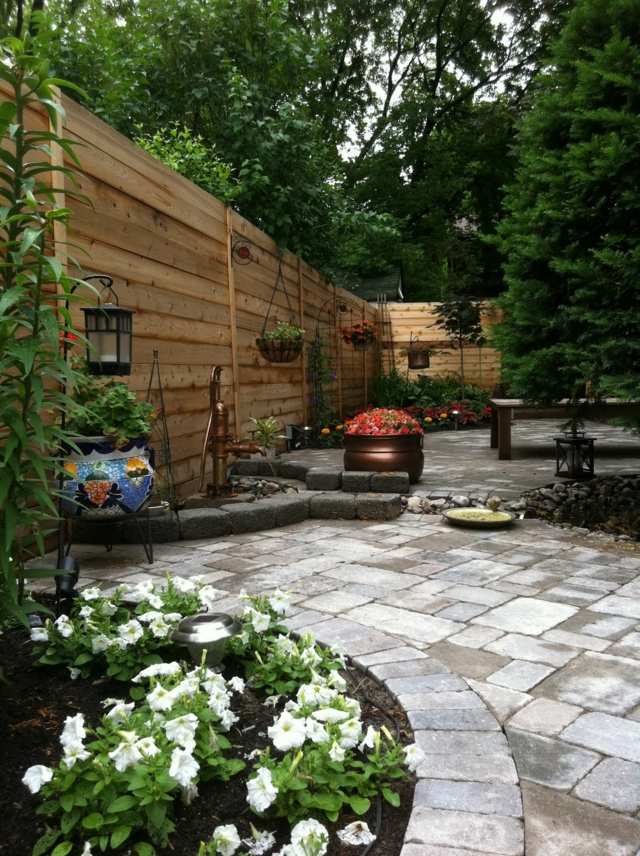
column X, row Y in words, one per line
column 383, row 421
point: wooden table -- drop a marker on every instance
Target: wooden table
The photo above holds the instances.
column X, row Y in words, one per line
column 506, row 410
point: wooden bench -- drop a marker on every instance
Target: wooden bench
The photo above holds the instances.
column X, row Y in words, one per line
column 506, row 410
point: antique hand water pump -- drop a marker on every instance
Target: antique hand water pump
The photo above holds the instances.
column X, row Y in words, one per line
column 218, row 442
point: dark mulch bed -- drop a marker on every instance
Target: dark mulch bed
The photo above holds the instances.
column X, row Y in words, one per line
column 36, row 700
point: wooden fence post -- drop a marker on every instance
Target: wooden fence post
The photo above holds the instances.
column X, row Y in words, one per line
column 338, row 340
column 304, row 354
column 228, row 217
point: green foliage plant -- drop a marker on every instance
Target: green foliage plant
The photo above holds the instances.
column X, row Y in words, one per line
column 570, row 237
column 266, row 430
column 122, row 784
column 34, row 317
column 460, row 317
column 110, row 410
column 284, row 332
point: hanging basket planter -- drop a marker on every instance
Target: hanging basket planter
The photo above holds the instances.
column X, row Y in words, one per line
column 284, row 343
column 361, row 335
column 419, row 358
column 280, row 350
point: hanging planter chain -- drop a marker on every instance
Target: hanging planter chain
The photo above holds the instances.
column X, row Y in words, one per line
column 279, row 350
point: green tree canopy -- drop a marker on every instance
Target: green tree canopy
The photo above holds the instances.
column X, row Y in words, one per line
column 571, row 238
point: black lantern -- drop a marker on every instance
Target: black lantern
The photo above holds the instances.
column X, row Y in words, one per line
column 574, row 455
column 108, row 330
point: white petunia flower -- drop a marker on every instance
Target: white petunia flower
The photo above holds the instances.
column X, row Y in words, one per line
column 160, row 699
column 316, row 694
column 100, row 643
column 350, row 733
column 39, row 634
column 183, row 585
column 184, row 767
column 260, row 621
column 150, row 615
column 92, row 593
column 260, row 842
column 147, row 745
column 64, row 626
column 131, row 631
column 86, row 611
column 189, row 686
column 182, row 729
column 369, row 739
column 357, row 834
column 413, row 756
column 86, row 850
column 236, row 684
column 261, row 791
column 285, row 646
column 160, row 628
column 208, row 596
column 36, row 777
column 336, row 753
column 120, row 711
column 75, row 752
column 226, row 839
column 316, row 732
column 310, row 836
column 74, row 673
column 227, row 719
column 330, row 714
column 157, row 670
column 108, row 608
column 73, row 732
column 280, row 602
column 287, row 732
column 310, row 657
column 139, row 592
column 336, row 681
column 155, row 601
column 272, row 700
column 127, row 753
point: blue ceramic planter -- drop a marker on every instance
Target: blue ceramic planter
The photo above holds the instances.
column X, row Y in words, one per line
column 104, row 482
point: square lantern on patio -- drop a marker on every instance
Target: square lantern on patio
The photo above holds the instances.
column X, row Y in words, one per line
column 108, row 329
column 574, row 455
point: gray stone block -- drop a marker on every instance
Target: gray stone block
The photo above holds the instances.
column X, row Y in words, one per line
column 378, row 506
column 355, row 482
column 253, row 467
column 390, row 482
column 289, row 509
column 480, row 797
column 204, row 523
column 333, row 506
column 163, row 527
column 251, row 516
column 323, row 478
column 292, row 470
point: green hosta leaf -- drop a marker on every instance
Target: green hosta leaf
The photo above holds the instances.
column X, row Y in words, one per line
column 63, row 848
column 93, row 821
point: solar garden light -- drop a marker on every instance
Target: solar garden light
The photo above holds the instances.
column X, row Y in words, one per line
column 455, row 414
column 208, row 632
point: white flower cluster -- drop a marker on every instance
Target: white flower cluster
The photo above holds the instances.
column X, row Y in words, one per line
column 308, row 838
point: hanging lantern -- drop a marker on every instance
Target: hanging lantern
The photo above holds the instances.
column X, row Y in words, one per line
column 108, row 329
column 574, row 455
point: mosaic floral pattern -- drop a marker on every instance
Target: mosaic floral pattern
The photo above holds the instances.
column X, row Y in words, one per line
column 102, row 481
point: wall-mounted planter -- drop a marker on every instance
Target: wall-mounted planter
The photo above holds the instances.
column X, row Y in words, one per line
column 385, row 453
column 418, row 359
column 280, row 350
column 103, row 482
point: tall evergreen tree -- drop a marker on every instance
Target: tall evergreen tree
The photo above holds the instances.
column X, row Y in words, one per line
column 571, row 236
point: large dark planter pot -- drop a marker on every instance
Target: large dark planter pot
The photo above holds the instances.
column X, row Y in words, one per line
column 399, row 453
column 104, row 482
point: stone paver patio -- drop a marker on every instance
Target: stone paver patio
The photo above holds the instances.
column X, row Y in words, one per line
column 516, row 645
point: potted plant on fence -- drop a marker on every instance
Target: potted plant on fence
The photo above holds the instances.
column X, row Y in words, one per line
column 360, row 335
column 282, row 344
column 383, row 439
column 109, row 468
column 265, row 432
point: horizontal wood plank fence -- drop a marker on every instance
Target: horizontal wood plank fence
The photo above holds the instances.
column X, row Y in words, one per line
column 169, row 247
column 402, row 322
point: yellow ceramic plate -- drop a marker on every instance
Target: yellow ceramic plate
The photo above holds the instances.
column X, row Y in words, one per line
column 479, row 518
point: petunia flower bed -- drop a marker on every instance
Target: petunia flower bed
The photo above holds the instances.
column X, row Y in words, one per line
column 383, row 421
column 122, row 780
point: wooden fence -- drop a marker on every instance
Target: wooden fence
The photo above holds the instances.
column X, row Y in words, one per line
column 170, row 248
column 402, row 322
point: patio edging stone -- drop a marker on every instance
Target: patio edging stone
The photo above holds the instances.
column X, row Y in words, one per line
column 474, row 802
